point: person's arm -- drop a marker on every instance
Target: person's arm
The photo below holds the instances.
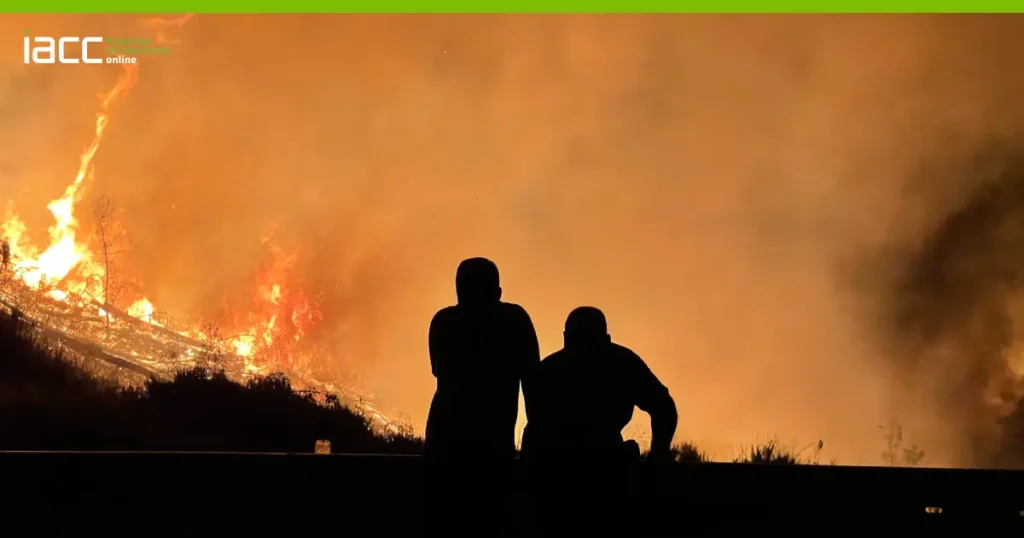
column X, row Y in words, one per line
column 530, row 362
column 436, row 344
column 653, row 398
column 664, row 419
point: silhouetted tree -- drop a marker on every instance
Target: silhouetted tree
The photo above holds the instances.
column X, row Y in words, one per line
column 892, row 433
column 894, row 453
column 113, row 242
column 912, row 456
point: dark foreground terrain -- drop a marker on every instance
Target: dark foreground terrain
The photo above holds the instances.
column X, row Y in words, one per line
column 184, row 494
column 244, row 474
column 49, row 401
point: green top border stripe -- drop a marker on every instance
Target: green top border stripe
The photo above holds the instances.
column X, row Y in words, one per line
column 514, row 6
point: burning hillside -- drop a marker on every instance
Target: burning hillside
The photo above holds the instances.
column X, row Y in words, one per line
column 77, row 294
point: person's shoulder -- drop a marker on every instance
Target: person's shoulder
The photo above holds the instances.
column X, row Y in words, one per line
column 553, row 360
column 514, row 309
column 556, row 356
column 447, row 311
column 515, row 312
column 635, row 369
column 627, row 358
column 445, row 314
column 624, row 353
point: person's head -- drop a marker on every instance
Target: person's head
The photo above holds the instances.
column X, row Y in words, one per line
column 477, row 282
column 586, row 327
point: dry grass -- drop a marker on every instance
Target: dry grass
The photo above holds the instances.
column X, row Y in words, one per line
column 50, row 403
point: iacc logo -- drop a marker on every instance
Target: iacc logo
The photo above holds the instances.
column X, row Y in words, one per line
column 62, row 50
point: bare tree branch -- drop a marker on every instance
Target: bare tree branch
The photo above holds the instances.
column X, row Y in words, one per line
column 113, row 241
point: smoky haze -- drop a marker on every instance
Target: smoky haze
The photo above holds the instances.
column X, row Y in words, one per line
column 728, row 189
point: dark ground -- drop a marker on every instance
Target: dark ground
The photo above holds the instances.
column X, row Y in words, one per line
column 48, row 404
column 185, row 494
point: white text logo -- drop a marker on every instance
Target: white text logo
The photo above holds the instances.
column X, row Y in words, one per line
column 62, row 50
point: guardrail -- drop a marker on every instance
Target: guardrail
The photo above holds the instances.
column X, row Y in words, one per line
column 225, row 494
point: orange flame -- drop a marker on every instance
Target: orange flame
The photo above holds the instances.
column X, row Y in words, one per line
column 268, row 335
column 161, row 24
column 142, row 309
column 280, row 317
column 64, row 254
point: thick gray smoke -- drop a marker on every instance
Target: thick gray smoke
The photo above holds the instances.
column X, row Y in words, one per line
column 954, row 313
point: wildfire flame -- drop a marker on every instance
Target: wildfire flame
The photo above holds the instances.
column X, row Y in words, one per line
column 67, row 271
column 142, row 309
column 65, row 254
column 280, row 317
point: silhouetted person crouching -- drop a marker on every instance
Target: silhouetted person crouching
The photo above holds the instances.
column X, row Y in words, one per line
column 481, row 351
column 584, row 395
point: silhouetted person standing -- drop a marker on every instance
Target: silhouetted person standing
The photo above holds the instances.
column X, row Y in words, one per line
column 584, row 395
column 481, row 351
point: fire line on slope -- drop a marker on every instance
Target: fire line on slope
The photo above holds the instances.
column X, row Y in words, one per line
column 62, row 291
